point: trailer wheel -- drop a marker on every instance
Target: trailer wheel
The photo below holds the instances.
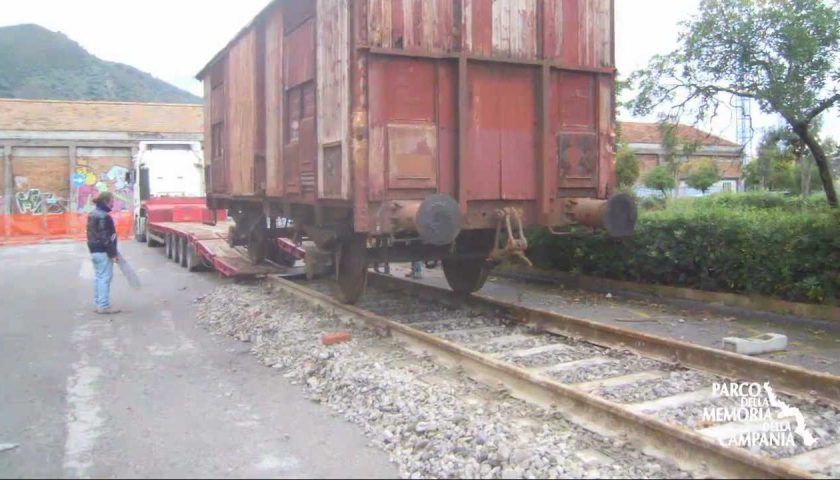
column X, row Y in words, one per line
column 150, row 242
column 182, row 253
column 139, row 234
column 193, row 260
column 465, row 275
column 167, row 245
column 351, row 269
column 175, row 241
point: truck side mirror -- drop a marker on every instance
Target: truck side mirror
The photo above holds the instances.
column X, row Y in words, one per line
column 129, row 178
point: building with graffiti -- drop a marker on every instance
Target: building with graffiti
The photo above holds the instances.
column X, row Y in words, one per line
column 56, row 157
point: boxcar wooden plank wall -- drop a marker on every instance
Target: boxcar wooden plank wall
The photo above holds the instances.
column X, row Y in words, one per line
column 259, row 169
column 242, row 113
column 293, row 78
column 274, row 95
column 425, row 25
column 579, row 32
column 333, row 33
column 300, row 153
column 217, row 138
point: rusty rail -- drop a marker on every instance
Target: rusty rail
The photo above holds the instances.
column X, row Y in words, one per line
column 686, row 448
column 789, row 379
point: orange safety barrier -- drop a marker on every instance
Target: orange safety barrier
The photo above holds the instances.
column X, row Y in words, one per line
column 29, row 229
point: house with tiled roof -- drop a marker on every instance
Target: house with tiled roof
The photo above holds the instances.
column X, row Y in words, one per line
column 645, row 140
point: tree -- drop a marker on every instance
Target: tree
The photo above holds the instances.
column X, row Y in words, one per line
column 674, row 149
column 626, row 166
column 773, row 168
column 789, row 141
column 660, row 178
column 702, row 175
column 781, row 53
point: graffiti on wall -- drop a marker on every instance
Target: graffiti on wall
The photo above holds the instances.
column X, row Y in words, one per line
column 36, row 202
column 90, row 183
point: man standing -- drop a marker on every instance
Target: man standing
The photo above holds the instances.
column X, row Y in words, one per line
column 416, row 271
column 102, row 243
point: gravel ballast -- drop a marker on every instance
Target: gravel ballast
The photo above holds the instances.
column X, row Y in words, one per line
column 433, row 421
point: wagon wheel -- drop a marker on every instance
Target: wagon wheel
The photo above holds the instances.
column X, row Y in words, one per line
column 257, row 246
column 351, row 269
column 465, row 275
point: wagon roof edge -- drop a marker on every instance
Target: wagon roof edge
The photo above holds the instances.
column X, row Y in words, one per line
column 247, row 28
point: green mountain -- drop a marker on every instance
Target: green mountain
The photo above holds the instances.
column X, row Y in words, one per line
column 36, row 63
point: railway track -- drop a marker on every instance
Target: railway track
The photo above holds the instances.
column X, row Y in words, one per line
column 664, row 393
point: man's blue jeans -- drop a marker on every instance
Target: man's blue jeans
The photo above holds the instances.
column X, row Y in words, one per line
column 104, row 269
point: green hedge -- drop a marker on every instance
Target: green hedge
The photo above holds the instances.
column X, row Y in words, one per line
column 756, row 200
column 793, row 255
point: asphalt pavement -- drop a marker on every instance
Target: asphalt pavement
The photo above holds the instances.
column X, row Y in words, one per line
column 147, row 393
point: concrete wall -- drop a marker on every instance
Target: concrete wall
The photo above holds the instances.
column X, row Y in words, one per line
column 55, row 157
column 34, row 115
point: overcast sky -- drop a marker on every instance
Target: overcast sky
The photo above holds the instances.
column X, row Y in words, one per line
column 173, row 39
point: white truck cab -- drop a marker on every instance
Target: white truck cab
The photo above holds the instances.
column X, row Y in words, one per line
column 163, row 172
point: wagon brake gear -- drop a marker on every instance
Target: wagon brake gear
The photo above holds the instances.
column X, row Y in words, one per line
column 515, row 244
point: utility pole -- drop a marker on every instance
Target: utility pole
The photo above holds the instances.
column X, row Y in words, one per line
column 744, row 128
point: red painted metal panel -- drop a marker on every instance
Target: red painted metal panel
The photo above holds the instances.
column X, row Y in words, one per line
column 517, row 95
column 574, row 101
column 606, row 170
column 484, row 163
column 403, row 114
column 410, row 89
column 447, row 96
column 412, row 156
column 503, row 132
column 574, row 129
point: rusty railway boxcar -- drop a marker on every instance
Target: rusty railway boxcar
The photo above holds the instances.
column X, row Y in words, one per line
column 390, row 130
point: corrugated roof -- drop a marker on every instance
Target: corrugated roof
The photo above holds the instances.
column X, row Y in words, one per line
column 651, row 133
